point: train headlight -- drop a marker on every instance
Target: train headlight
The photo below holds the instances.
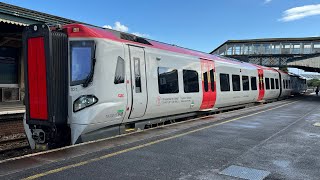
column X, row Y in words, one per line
column 84, row 102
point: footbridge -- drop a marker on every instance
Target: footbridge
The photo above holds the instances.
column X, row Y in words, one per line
column 302, row 53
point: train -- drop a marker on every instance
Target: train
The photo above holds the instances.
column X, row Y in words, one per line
column 85, row 83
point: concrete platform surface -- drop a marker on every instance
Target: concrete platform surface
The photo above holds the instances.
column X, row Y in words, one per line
column 274, row 141
column 11, row 108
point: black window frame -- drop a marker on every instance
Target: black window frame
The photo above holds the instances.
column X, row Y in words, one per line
column 205, row 81
column 272, row 83
column 119, row 77
column 238, row 82
column 254, row 82
column 267, row 83
column 177, row 80
column 227, row 83
column 81, row 43
column 211, row 72
column 187, row 83
column 245, row 87
column 137, row 74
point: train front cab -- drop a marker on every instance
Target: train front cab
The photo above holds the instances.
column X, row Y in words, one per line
column 46, row 62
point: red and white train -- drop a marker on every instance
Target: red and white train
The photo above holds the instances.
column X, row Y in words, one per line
column 85, row 83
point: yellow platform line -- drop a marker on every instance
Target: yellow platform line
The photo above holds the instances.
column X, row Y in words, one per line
column 144, row 145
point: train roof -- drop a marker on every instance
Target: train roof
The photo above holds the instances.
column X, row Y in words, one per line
column 81, row 30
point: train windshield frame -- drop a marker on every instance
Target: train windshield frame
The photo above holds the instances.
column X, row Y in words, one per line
column 81, row 61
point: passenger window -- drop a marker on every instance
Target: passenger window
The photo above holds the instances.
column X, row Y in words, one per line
column 168, row 80
column 245, row 83
column 287, row 84
column 137, row 74
column 224, row 82
column 236, row 82
column 272, row 83
column 253, row 83
column 277, row 83
column 190, row 81
column 120, row 72
column 205, row 81
column 267, row 83
column 284, row 84
column 212, row 79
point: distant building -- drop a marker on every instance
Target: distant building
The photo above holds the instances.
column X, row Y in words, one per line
column 311, row 76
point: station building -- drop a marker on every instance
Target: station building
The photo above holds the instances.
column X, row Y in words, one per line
column 12, row 21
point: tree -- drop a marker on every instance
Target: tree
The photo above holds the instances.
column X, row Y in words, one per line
column 313, row 82
column 284, row 69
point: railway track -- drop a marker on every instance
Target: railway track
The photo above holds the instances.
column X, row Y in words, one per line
column 13, row 144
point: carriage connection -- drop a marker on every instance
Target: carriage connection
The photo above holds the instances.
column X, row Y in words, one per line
column 84, row 83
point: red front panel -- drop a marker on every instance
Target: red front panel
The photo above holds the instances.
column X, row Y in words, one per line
column 208, row 84
column 37, row 81
column 260, row 84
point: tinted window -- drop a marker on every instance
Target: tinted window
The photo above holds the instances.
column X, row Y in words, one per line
column 236, row 82
column 190, row 81
column 260, row 82
column 253, row 83
column 289, row 84
column 212, row 79
column 277, row 83
column 137, row 74
column 224, row 82
column 81, row 60
column 272, row 83
column 284, row 84
column 205, row 81
column 168, row 80
column 245, row 83
column 120, row 72
column 267, row 83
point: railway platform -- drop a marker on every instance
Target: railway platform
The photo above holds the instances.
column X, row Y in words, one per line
column 14, row 108
column 278, row 140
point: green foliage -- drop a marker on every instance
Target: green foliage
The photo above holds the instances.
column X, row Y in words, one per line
column 284, row 69
column 313, row 82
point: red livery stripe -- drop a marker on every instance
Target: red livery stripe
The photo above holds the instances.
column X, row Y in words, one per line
column 37, row 82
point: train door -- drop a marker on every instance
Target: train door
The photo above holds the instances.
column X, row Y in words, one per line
column 261, row 84
column 139, row 82
column 280, row 84
column 208, row 84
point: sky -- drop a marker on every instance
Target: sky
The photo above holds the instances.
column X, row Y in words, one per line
column 201, row 25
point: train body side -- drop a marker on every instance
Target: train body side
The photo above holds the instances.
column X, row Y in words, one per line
column 134, row 83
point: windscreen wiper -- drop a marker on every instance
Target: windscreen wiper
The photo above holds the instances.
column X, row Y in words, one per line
column 90, row 76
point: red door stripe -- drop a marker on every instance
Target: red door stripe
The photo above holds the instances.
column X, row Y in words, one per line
column 208, row 97
column 37, row 79
column 261, row 84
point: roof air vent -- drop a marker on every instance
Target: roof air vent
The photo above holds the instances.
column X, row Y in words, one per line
column 134, row 38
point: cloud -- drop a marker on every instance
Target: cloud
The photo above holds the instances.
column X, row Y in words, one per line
column 120, row 27
column 300, row 12
column 117, row 26
column 267, row 1
column 107, row 27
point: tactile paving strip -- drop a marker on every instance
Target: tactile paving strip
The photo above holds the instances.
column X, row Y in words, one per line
column 245, row 173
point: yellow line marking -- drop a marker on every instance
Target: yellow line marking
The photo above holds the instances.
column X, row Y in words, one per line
column 144, row 145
